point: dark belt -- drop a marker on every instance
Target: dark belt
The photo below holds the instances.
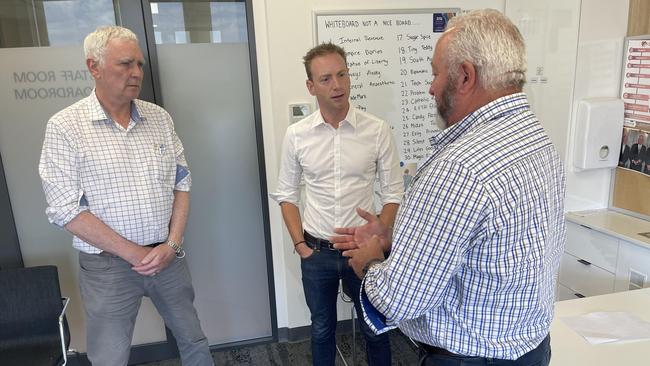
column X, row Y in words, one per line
column 318, row 243
column 433, row 350
column 107, row 254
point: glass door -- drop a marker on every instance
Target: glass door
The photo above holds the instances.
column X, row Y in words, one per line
column 203, row 56
column 43, row 71
column 28, row 27
column 206, row 84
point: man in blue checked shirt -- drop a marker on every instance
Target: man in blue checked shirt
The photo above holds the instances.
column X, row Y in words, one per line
column 478, row 238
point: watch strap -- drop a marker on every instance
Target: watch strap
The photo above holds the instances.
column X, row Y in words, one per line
column 370, row 263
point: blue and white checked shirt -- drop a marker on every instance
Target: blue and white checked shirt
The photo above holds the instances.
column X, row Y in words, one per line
column 125, row 177
column 478, row 239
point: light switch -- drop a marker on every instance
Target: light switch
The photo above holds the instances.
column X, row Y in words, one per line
column 298, row 111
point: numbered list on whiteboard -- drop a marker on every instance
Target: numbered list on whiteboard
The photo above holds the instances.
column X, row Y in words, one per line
column 389, row 56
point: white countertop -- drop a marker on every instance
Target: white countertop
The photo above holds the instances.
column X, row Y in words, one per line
column 570, row 349
column 613, row 223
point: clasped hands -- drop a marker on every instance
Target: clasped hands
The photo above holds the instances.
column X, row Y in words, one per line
column 361, row 244
column 154, row 260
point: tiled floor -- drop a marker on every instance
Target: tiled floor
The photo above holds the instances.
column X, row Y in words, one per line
column 299, row 354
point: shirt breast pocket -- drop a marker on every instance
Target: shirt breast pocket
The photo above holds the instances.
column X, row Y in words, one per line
column 162, row 165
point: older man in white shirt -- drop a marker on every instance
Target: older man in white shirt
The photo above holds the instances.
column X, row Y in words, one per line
column 115, row 175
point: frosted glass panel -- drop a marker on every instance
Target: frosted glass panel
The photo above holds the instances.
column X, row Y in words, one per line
column 207, row 90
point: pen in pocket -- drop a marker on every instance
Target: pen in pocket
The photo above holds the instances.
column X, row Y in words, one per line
column 160, row 148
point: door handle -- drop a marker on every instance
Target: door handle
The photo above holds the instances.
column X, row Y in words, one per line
column 584, row 262
column 579, row 295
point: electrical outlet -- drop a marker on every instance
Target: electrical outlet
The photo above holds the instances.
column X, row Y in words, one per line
column 637, row 279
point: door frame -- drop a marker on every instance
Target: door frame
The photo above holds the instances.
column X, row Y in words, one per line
column 137, row 16
column 10, row 255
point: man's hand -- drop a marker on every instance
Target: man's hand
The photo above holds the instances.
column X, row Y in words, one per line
column 155, row 261
column 354, row 237
column 135, row 254
column 304, row 251
column 368, row 250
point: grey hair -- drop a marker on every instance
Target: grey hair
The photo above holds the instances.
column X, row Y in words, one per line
column 95, row 42
column 492, row 43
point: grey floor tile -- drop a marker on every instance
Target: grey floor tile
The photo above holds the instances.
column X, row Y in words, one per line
column 299, row 353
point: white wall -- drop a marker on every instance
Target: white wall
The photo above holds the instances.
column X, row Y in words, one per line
column 550, row 30
column 284, row 33
column 603, row 26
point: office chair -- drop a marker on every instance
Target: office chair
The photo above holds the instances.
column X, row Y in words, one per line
column 33, row 327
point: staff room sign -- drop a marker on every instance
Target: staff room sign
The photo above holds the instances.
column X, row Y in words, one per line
column 49, row 84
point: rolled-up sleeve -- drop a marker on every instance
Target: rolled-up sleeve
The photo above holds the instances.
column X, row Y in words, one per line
column 288, row 189
column 60, row 177
column 183, row 180
column 375, row 320
column 390, row 178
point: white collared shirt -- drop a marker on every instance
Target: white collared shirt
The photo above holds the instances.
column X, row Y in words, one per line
column 339, row 167
column 124, row 176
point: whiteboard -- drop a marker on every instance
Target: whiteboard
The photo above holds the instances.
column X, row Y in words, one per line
column 389, row 54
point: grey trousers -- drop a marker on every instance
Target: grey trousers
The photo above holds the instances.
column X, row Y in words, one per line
column 112, row 293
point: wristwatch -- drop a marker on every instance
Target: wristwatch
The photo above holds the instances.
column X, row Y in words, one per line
column 370, row 263
column 178, row 248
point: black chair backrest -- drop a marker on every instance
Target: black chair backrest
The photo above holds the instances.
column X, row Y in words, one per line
column 30, row 301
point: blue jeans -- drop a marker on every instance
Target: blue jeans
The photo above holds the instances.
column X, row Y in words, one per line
column 320, row 280
column 539, row 356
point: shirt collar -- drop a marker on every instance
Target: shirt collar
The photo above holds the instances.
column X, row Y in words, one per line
column 486, row 114
column 135, row 113
column 97, row 112
column 350, row 118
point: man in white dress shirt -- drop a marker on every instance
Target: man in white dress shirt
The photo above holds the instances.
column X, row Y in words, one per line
column 115, row 176
column 339, row 151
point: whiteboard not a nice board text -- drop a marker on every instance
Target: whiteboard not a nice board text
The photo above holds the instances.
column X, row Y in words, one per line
column 389, row 54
